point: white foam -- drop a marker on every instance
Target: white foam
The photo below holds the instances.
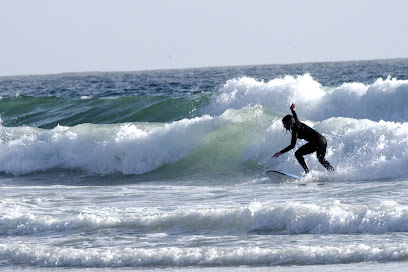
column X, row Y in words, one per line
column 288, row 218
column 103, row 149
column 381, row 100
column 247, row 124
column 359, row 149
column 50, row 256
column 85, row 97
column 276, row 94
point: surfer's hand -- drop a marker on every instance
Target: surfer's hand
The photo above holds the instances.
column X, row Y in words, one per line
column 293, row 106
column 276, row 155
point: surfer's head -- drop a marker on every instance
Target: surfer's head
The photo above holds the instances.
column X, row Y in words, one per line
column 288, row 121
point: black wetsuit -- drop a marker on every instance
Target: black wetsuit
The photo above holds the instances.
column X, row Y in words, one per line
column 316, row 143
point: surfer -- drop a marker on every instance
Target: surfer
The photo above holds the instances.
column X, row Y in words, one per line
column 316, row 142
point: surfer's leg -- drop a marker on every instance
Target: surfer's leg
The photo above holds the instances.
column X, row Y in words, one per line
column 325, row 163
column 304, row 150
column 321, row 153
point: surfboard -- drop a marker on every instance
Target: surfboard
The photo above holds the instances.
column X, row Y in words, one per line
column 281, row 176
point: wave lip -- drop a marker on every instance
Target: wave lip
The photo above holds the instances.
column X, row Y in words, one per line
column 125, row 148
column 384, row 99
column 381, row 100
column 276, row 94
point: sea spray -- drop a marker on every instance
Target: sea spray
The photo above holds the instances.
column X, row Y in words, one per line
column 276, row 93
column 380, row 100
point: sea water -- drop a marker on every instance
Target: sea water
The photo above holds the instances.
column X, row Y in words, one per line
column 157, row 170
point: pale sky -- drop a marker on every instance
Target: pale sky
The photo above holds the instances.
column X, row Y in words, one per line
column 56, row 36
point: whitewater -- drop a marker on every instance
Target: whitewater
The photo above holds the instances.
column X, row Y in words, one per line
column 166, row 169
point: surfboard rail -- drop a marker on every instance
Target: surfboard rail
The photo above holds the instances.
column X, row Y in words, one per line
column 278, row 175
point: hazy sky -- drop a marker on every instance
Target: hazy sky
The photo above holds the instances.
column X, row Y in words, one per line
column 54, row 36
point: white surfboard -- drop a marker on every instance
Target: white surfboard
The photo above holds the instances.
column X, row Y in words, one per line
column 281, row 176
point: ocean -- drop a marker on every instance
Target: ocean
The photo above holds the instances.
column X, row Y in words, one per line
column 165, row 170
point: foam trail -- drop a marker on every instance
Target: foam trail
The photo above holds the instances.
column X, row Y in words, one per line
column 50, row 256
column 291, row 218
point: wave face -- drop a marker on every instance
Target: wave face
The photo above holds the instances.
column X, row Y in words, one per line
column 236, row 127
column 236, row 139
column 49, row 112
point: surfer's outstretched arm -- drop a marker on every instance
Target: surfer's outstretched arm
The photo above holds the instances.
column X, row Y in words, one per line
column 294, row 134
column 292, row 109
column 293, row 106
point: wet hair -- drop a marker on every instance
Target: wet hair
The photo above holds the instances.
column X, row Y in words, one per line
column 289, row 119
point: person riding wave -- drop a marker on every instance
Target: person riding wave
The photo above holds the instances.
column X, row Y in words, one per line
column 316, row 142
